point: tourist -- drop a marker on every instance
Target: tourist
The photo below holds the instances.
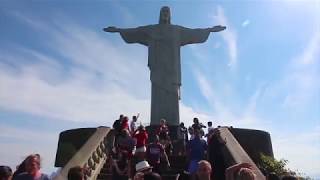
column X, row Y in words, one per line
column 196, row 149
column 210, row 126
column 191, row 132
column 32, row 165
column 125, row 123
column 117, row 124
column 210, row 131
column 126, row 144
column 20, row 168
column 163, row 130
column 240, row 171
column 182, row 138
column 5, row 173
column 163, row 133
column 144, row 172
column 197, row 125
column 204, row 170
column 133, row 124
column 120, row 167
column 117, row 130
column 182, row 132
column 154, row 152
column 76, row 173
column 143, row 167
column 141, row 137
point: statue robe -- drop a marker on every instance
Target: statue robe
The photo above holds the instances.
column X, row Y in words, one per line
column 164, row 41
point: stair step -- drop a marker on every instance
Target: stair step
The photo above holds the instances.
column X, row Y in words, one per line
column 103, row 176
column 105, row 171
column 169, row 176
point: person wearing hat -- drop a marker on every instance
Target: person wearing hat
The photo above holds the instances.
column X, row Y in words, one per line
column 143, row 166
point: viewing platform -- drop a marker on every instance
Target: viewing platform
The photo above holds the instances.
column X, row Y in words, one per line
column 91, row 148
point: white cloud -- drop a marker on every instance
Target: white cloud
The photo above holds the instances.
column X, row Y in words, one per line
column 27, row 142
column 311, row 53
column 245, row 23
column 300, row 148
column 229, row 35
column 223, row 114
column 299, row 85
column 102, row 81
column 298, row 90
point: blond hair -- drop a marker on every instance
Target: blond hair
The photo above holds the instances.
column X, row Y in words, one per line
column 205, row 163
column 245, row 174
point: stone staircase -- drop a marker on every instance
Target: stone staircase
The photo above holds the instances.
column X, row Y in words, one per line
column 178, row 164
column 94, row 154
column 106, row 172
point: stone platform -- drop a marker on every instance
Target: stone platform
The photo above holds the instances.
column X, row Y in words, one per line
column 254, row 142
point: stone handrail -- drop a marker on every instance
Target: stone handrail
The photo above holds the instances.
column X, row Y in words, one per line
column 92, row 155
column 234, row 153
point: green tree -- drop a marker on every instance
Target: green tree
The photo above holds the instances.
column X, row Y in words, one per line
column 270, row 165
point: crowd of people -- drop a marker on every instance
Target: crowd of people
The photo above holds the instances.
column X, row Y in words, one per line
column 140, row 155
column 134, row 158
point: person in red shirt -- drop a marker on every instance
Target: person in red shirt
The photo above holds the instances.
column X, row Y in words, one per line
column 141, row 136
column 125, row 123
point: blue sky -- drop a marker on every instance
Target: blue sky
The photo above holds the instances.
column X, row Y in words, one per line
column 59, row 70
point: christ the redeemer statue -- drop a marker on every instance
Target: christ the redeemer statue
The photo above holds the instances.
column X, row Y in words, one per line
column 164, row 41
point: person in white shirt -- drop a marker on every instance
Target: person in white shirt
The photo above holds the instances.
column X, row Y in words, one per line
column 133, row 124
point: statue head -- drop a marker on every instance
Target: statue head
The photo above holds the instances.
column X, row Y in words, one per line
column 165, row 17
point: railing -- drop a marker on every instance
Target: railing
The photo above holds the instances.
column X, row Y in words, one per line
column 234, row 153
column 92, row 155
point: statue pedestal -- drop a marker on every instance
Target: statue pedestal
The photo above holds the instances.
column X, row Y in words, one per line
column 253, row 142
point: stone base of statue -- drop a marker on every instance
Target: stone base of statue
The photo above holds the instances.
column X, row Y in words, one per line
column 254, row 142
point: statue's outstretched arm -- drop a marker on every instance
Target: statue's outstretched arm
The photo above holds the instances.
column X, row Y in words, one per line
column 111, row 29
column 131, row 35
column 217, row 28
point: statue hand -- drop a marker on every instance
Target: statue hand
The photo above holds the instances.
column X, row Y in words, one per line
column 111, row 29
column 217, row 28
